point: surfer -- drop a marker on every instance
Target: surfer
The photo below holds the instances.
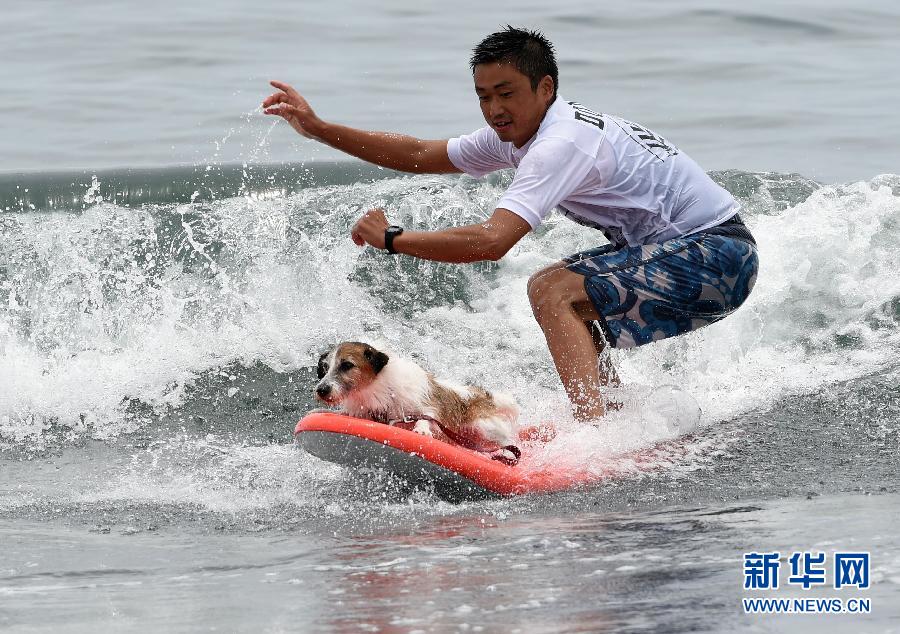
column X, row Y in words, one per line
column 677, row 255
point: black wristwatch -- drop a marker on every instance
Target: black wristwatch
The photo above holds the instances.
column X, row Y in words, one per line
column 389, row 234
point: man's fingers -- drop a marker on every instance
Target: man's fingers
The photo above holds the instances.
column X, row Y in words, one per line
column 278, row 97
column 278, row 112
column 280, row 85
column 354, row 235
column 285, row 110
column 277, row 108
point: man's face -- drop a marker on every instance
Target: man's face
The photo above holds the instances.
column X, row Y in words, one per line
column 508, row 103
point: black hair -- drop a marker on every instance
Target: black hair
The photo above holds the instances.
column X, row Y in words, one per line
column 529, row 51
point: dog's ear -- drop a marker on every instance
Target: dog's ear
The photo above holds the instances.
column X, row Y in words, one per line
column 375, row 358
column 322, row 367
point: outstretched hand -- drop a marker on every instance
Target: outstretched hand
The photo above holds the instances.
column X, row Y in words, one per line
column 288, row 104
column 370, row 229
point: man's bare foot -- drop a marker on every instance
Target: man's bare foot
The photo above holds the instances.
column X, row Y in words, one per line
column 545, row 432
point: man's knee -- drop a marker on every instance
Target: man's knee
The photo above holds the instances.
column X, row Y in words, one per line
column 554, row 289
column 540, row 286
column 537, row 282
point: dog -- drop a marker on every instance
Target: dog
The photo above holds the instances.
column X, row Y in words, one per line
column 367, row 383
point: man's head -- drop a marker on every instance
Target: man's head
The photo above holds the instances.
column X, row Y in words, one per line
column 516, row 80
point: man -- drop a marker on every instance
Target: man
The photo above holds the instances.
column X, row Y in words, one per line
column 678, row 256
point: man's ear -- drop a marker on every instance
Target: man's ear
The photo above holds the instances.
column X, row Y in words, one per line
column 546, row 84
column 376, row 359
column 322, row 367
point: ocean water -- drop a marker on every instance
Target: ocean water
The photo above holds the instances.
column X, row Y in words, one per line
column 806, row 86
column 172, row 263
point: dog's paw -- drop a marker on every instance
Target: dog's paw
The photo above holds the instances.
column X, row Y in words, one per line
column 508, row 455
column 423, row 427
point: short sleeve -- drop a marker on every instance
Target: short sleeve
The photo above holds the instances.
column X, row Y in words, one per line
column 479, row 153
column 552, row 170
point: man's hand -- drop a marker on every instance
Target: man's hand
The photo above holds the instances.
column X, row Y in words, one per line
column 290, row 106
column 370, row 229
column 488, row 240
column 394, row 151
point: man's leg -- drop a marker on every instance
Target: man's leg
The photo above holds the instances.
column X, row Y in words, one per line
column 600, row 345
column 564, row 312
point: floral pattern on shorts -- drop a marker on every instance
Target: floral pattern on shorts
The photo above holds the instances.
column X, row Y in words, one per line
column 649, row 292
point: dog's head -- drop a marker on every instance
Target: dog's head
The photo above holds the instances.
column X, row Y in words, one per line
column 349, row 367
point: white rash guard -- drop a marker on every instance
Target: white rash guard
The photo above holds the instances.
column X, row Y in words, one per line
column 601, row 171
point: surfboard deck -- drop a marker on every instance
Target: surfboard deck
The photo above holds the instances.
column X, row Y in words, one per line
column 454, row 472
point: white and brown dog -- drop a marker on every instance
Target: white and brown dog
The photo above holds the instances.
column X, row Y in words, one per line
column 367, row 383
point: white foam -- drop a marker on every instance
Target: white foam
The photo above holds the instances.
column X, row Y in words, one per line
column 99, row 320
column 217, row 476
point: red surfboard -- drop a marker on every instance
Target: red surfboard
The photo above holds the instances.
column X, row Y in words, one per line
column 453, row 472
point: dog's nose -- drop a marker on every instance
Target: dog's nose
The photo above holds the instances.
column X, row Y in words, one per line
column 323, row 390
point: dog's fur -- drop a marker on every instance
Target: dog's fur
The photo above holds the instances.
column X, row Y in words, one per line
column 367, row 383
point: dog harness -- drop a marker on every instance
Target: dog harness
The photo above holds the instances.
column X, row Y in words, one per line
column 475, row 443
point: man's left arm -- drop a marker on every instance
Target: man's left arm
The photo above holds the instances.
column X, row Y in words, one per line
column 490, row 240
column 552, row 169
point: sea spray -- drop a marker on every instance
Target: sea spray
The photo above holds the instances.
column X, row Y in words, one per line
column 112, row 306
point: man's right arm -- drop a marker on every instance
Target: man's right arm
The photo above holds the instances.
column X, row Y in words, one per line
column 394, row 151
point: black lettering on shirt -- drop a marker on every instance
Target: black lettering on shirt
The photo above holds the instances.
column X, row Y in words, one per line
column 647, row 139
column 587, row 115
column 650, row 141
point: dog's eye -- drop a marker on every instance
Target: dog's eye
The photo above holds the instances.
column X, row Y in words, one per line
column 345, row 366
column 322, row 366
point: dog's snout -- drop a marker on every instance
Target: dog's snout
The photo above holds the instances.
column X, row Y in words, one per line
column 323, row 390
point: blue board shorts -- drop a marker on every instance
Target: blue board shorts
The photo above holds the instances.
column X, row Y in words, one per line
column 650, row 292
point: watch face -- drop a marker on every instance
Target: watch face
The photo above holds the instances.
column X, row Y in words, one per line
column 389, row 234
